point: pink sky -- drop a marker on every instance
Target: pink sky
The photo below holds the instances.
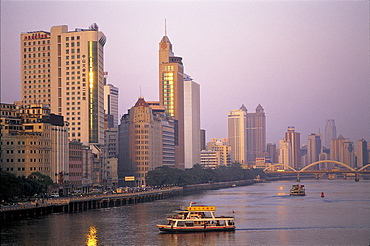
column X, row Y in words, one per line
column 303, row 61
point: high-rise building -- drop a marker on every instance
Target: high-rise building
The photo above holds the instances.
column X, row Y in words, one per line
column 168, row 133
column 141, row 142
column 330, row 132
column 171, row 93
column 191, row 121
column 294, row 140
column 66, row 70
column 272, row 152
column 111, row 102
column 256, row 134
column 285, row 153
column 236, row 129
column 361, row 153
column 202, row 139
column 313, row 148
column 342, row 150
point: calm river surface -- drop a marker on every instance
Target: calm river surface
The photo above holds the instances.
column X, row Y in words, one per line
column 265, row 215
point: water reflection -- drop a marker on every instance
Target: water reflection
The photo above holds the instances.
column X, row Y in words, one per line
column 92, row 237
column 262, row 218
column 198, row 238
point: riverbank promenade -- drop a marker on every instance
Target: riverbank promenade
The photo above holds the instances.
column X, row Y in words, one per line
column 42, row 207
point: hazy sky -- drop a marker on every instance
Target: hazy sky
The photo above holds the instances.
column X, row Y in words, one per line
column 303, row 61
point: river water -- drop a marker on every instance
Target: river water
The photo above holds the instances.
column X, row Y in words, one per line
column 265, row 215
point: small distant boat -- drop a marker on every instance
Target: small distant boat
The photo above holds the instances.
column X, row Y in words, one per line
column 197, row 219
column 298, row 190
column 331, row 176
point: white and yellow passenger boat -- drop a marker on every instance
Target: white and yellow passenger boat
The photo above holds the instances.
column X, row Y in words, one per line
column 197, row 218
column 298, row 190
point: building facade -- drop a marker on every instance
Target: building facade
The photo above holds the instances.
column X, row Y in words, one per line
column 66, row 70
column 362, row 153
column 191, row 122
column 285, row 153
column 314, row 148
column 221, row 145
column 141, row 148
column 342, row 150
column 256, row 134
column 111, row 102
column 272, row 152
column 202, row 139
column 168, row 133
column 171, row 93
column 210, row 159
column 34, row 140
column 237, row 137
column 75, row 165
column 330, row 132
column 293, row 138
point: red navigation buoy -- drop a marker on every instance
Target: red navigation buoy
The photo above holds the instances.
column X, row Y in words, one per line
column 322, row 194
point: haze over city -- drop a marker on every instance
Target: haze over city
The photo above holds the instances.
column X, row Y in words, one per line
column 304, row 61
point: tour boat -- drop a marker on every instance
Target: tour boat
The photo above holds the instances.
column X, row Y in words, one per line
column 297, row 190
column 197, row 219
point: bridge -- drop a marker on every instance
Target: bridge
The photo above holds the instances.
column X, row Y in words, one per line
column 307, row 170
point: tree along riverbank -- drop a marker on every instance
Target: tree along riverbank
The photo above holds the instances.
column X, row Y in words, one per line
column 164, row 175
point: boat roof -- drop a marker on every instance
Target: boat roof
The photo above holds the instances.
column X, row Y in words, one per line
column 202, row 208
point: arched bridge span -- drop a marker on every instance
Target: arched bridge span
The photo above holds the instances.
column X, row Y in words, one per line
column 325, row 161
column 364, row 167
column 276, row 165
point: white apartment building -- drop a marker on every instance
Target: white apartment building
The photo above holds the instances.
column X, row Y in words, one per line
column 191, row 121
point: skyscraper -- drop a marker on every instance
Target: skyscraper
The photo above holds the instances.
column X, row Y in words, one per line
column 256, row 134
column 140, row 142
column 330, row 132
column 171, row 93
column 285, row 153
column 295, row 144
column 191, row 121
column 342, row 150
column 272, row 153
column 202, row 139
column 111, row 102
column 66, row 70
column 313, row 148
column 361, row 153
column 236, row 130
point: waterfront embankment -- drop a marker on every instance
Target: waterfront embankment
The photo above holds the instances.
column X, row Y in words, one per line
column 82, row 203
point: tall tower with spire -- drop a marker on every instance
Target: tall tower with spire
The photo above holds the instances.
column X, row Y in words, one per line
column 171, row 93
column 256, row 134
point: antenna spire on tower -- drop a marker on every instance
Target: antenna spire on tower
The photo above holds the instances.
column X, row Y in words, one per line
column 165, row 27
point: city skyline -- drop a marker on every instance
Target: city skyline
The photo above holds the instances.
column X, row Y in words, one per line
column 305, row 62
